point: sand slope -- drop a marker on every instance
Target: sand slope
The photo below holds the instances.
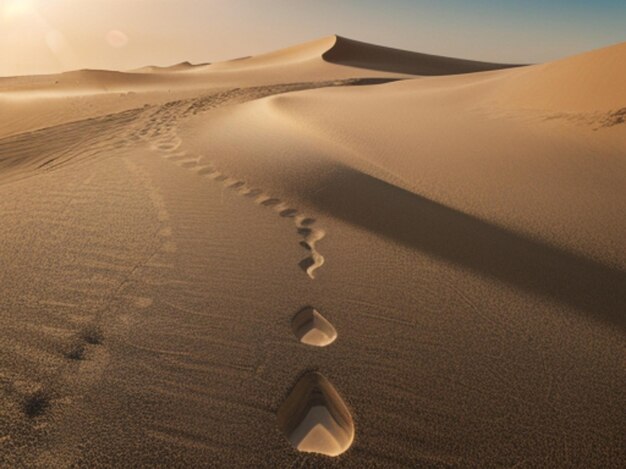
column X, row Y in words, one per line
column 261, row 264
column 541, row 157
column 589, row 82
column 347, row 52
column 41, row 101
column 372, row 57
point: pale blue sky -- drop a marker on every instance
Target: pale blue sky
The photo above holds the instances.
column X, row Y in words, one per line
column 39, row 36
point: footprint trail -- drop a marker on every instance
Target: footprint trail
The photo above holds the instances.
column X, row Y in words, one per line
column 160, row 133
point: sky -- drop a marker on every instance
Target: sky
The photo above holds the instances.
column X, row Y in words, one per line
column 50, row 36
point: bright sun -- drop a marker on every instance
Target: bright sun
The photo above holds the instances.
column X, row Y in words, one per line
column 14, row 9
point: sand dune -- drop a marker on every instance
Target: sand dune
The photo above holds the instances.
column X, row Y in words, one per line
column 372, row 57
column 586, row 83
column 45, row 100
column 347, row 52
column 328, row 58
column 290, row 56
column 338, row 57
column 179, row 67
column 529, row 146
column 323, row 256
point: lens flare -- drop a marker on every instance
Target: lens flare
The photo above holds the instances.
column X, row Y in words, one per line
column 55, row 41
column 116, row 38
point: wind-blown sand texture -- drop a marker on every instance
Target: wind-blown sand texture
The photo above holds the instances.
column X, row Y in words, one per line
column 335, row 255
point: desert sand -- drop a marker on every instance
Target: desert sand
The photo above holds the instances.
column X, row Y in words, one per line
column 332, row 255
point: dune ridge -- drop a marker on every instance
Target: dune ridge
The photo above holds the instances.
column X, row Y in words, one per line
column 346, row 52
column 585, row 83
column 358, row 54
column 158, row 307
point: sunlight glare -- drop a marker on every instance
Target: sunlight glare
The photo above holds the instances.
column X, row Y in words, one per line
column 116, row 38
column 15, row 9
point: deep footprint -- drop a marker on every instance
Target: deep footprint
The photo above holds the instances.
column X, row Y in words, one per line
column 315, row 419
column 270, row 202
column 236, row 185
column 311, row 328
column 288, row 213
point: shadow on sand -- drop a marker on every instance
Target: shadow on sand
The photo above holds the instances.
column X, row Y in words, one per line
column 490, row 250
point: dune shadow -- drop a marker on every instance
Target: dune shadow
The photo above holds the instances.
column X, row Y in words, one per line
column 373, row 57
column 529, row 264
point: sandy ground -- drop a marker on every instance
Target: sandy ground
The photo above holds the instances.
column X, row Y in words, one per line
column 335, row 255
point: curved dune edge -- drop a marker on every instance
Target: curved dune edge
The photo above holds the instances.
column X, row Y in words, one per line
column 363, row 55
column 339, row 50
column 586, row 87
column 298, row 53
column 361, row 163
column 315, row 419
column 527, row 260
column 311, row 328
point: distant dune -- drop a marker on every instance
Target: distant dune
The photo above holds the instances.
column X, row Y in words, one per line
column 587, row 82
column 355, row 54
column 372, row 57
column 332, row 255
column 179, row 67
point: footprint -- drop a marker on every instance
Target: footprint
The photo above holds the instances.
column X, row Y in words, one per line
column 37, row 402
column 311, row 263
column 75, row 350
column 314, row 417
column 215, row 175
column 288, row 213
column 306, row 221
column 311, row 328
column 169, row 145
column 270, row 202
column 252, row 193
column 92, row 334
column 202, row 170
column 236, row 185
column 311, row 237
column 307, row 263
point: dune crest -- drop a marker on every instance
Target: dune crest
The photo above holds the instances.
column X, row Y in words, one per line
column 311, row 50
column 588, row 82
column 344, row 52
column 363, row 55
